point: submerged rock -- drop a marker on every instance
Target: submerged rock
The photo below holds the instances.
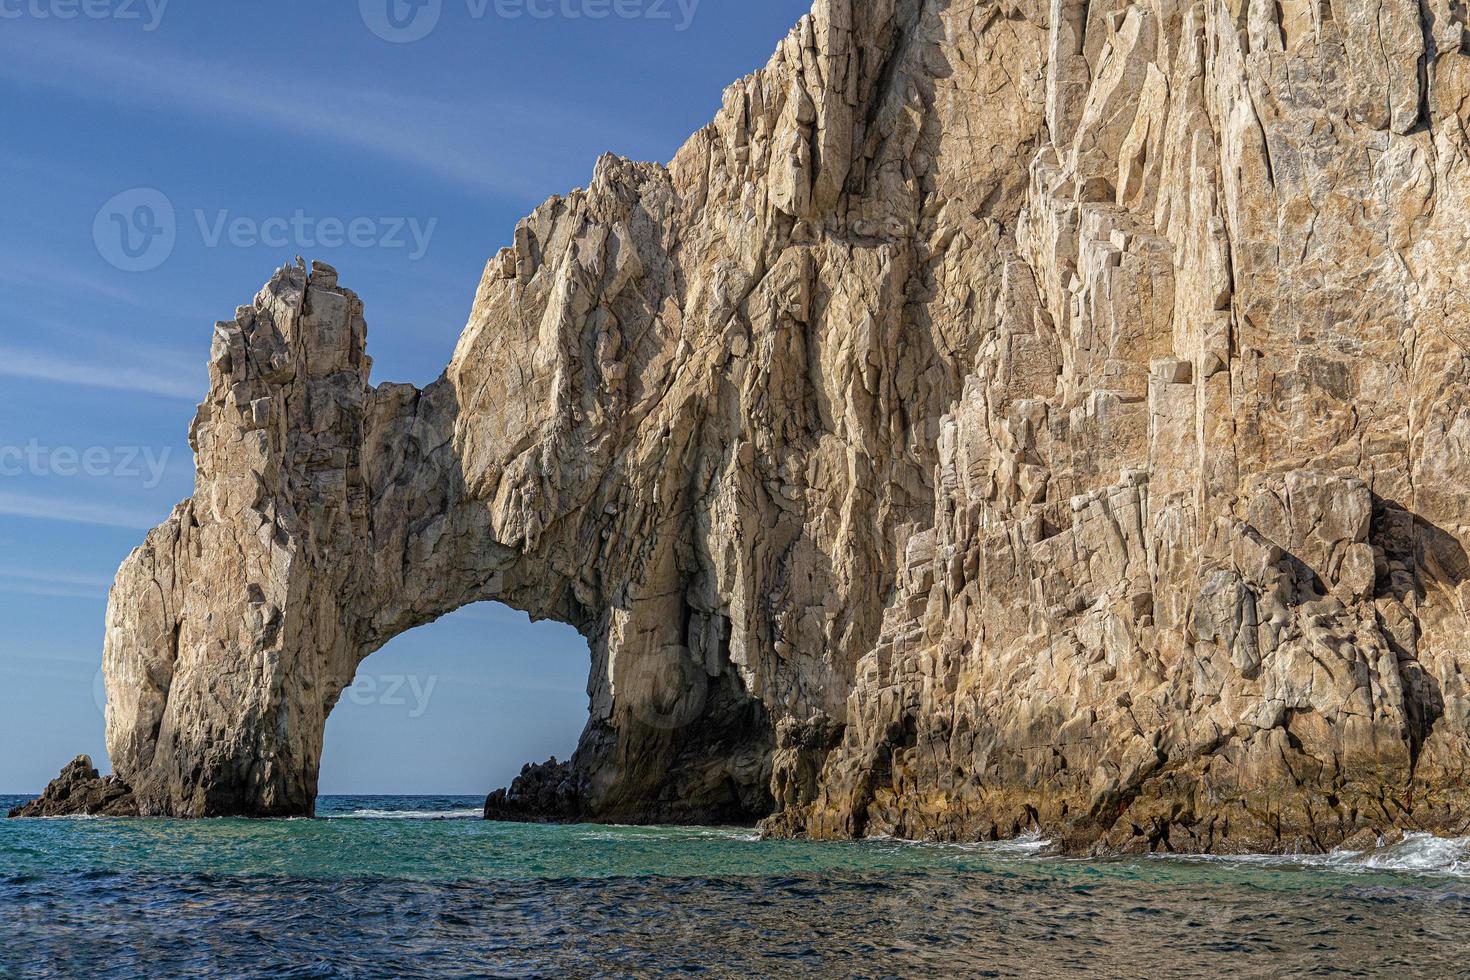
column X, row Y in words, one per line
column 81, row 791
column 1005, row 416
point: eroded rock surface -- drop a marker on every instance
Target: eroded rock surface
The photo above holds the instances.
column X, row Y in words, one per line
column 1004, row 415
column 544, row 792
column 81, row 790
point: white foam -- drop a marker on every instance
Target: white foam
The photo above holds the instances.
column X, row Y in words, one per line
column 1416, row 853
column 635, row 832
column 75, row 817
column 1419, row 853
column 1027, row 845
column 746, row 836
column 409, row 815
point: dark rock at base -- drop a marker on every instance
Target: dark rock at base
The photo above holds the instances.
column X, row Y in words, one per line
column 81, row 791
column 545, row 793
column 802, row 750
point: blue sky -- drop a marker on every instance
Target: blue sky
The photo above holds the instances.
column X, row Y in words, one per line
column 402, row 150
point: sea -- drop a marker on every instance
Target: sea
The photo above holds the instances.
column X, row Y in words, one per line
column 421, row 887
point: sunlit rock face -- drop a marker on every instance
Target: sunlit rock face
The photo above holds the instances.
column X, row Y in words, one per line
column 1004, row 415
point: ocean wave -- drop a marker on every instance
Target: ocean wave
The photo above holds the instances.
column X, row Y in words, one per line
column 408, row 815
column 75, row 817
column 1415, row 853
column 748, row 837
column 1029, row 844
column 743, row 836
column 623, row 833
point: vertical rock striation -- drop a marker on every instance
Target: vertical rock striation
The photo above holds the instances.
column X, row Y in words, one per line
column 1004, row 415
column 1195, row 578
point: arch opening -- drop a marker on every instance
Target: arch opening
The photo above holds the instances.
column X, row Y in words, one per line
column 457, row 706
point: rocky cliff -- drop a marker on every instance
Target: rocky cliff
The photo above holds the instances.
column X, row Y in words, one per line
column 1004, row 415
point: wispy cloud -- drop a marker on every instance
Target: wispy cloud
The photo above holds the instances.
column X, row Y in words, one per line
column 66, row 670
column 51, row 170
column 24, row 275
column 451, row 141
column 50, row 658
column 77, row 512
column 54, row 578
column 164, row 360
column 52, row 591
column 65, row 278
column 63, row 369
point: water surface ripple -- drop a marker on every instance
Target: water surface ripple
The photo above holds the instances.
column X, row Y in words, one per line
column 417, row 887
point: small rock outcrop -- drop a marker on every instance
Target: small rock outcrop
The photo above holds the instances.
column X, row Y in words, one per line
column 1005, row 415
column 81, row 791
column 545, row 792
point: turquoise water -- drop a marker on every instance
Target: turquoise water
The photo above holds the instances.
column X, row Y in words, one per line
column 419, row 887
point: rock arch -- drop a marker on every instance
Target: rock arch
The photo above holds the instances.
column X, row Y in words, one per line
column 331, row 516
column 683, row 418
column 1004, row 415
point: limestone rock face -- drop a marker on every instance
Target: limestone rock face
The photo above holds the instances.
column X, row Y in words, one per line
column 1195, row 578
column 1004, row 415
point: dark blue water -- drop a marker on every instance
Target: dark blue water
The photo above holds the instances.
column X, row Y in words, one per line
column 384, row 887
